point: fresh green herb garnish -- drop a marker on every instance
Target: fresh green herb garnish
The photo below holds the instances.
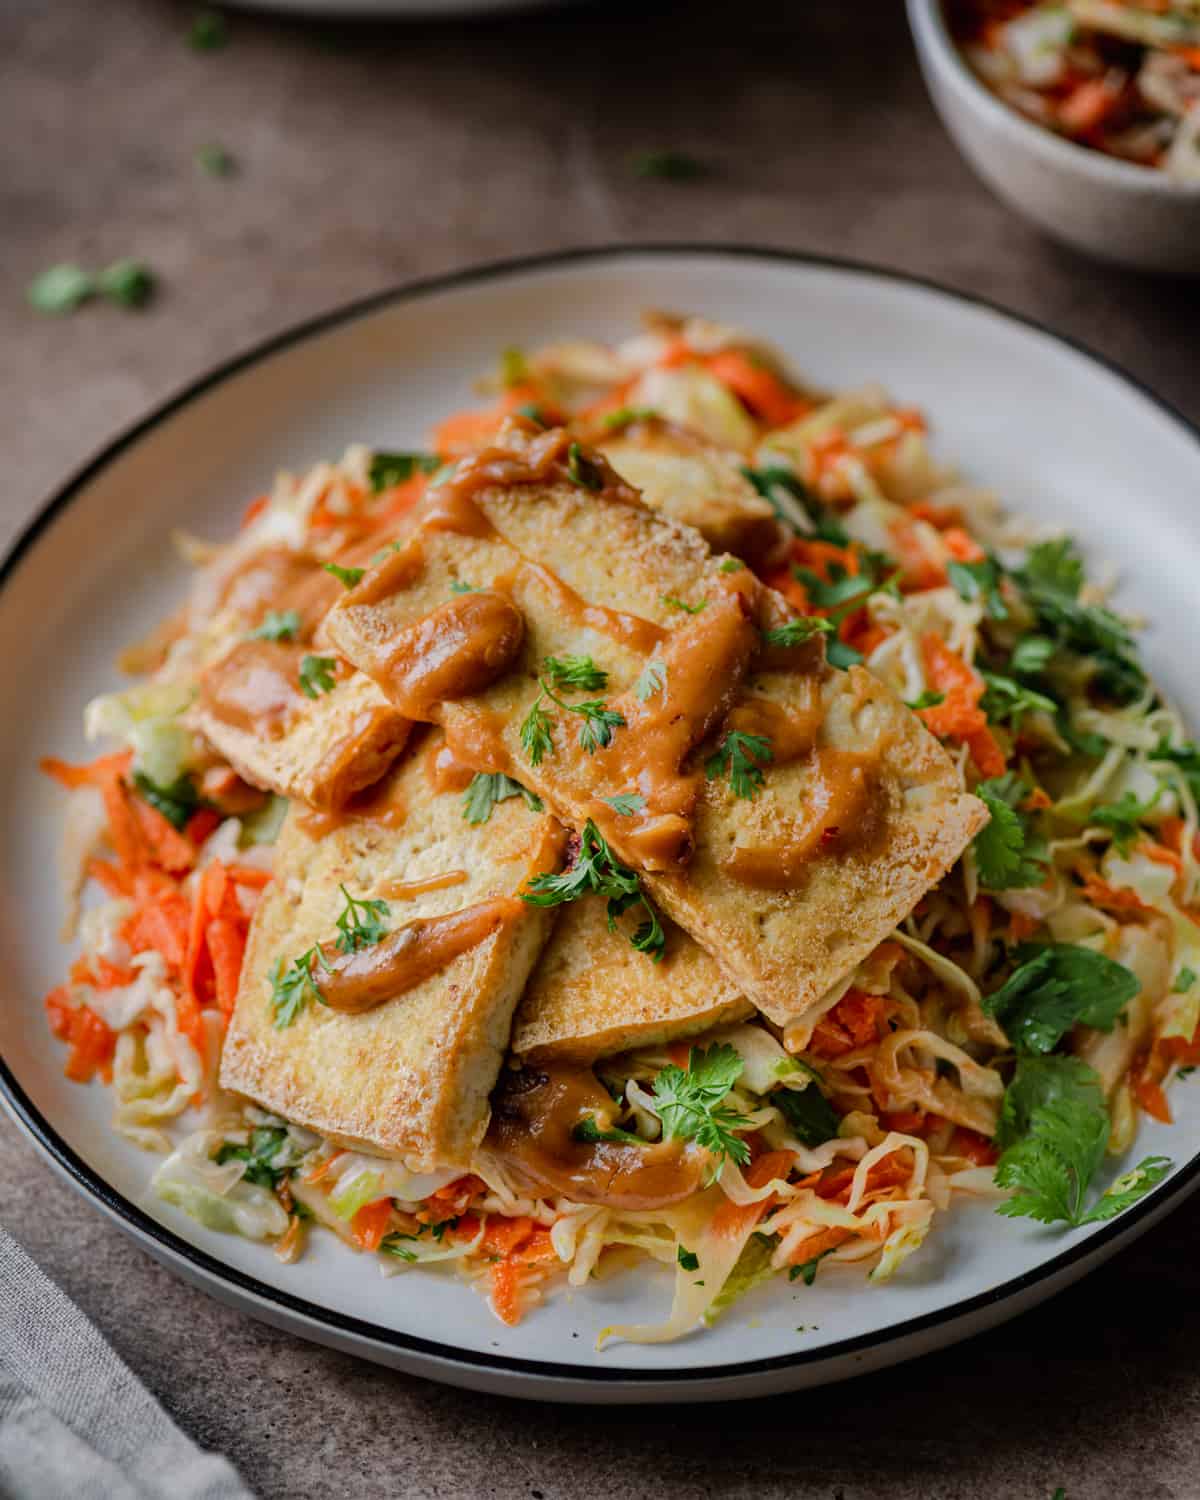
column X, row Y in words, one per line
column 652, row 679
column 1006, row 701
column 672, row 602
column 582, row 470
column 1123, row 818
column 742, row 756
column 1031, row 655
column 348, row 577
column 597, row 871
column 536, row 739
column 277, row 625
column 1183, row 981
column 361, row 923
column 797, row 631
column 214, row 160
column 177, row 802
column 690, row 1104
column 63, row 288
column 688, row 1259
column 209, row 31
column 927, row 699
column 838, row 654
column 794, row 504
column 1051, row 579
column 316, row 675
column 386, row 470
column 810, row 1116
column 979, row 581
column 626, row 415
column 668, row 166
column 265, row 1144
column 731, row 565
column 807, row 1270
column 626, row 803
column 293, row 986
column 1054, row 987
column 596, row 733
column 489, row 787
column 1008, row 854
column 575, row 672
column 460, row 587
column 1053, row 1134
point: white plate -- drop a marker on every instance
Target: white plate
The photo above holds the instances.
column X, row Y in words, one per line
column 1060, row 434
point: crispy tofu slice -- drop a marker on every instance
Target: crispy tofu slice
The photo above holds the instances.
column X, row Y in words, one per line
column 859, row 813
column 327, row 747
column 592, row 994
column 680, row 474
column 411, row 1077
column 332, row 747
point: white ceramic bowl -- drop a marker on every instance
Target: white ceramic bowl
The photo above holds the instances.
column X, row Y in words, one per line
column 1111, row 209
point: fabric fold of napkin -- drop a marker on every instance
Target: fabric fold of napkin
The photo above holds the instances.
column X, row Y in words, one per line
column 75, row 1422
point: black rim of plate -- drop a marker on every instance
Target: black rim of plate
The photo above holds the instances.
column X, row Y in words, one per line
column 44, row 1134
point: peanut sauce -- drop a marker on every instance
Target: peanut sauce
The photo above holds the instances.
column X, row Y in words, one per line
column 792, row 731
column 444, row 771
column 380, row 805
column 841, row 807
column 412, row 954
column 455, row 651
column 255, row 687
column 535, row 1112
column 634, row 631
column 544, row 459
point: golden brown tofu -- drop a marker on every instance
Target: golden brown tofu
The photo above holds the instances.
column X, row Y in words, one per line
column 411, row 1076
column 859, row 811
column 694, row 481
column 592, row 994
column 330, row 748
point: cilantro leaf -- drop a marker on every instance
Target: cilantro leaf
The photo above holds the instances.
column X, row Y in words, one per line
column 979, row 581
column 348, row 577
column 1183, row 981
column 61, row 289
column 386, row 470
column 575, row 672
column 277, row 625
column 316, row 675
column 731, row 565
column 795, row 505
column 599, row 722
column 690, row 1104
column 361, row 923
column 626, row 803
column 841, row 588
column 742, row 756
column 597, row 871
column 128, row 282
column 1006, row 701
column 209, row 31
column 176, row 801
column 653, row 679
column 489, row 787
column 460, row 586
column 806, row 1271
column 672, row 601
column 928, row 699
column 687, row 1259
column 1054, row 987
column 293, row 986
column 667, row 165
column 1122, row 818
column 1128, row 1189
column 214, row 160
column 1008, row 854
column 614, row 420
column 1186, row 757
column 839, row 654
column 536, row 739
column 810, row 1116
column 1031, row 655
column 263, row 1147
column 1051, row 579
column 796, row 632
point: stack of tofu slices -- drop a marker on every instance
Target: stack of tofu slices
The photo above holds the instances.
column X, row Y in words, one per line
column 533, row 549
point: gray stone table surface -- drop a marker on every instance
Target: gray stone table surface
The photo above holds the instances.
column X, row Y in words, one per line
column 369, row 155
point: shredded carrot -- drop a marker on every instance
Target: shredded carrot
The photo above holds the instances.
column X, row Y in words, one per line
column 323, row 1168
column 961, row 546
column 1088, row 105
column 95, row 773
column 919, row 569
column 855, row 1021
column 680, row 1053
column 247, row 875
column 226, row 947
column 1021, row 926
column 1109, row 898
column 503, row 1236
column 203, row 822
column 757, row 387
column 903, row 1121
column 734, row 1218
column 505, row 1292
column 92, row 1046
column 817, row 1244
column 164, row 843
column 1151, row 1098
column 255, row 509
column 539, row 1247
column 371, row 1223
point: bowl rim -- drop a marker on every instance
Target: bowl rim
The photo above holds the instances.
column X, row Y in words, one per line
column 270, row 1302
column 927, row 21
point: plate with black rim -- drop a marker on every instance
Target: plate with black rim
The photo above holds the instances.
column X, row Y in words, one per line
column 1057, row 432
